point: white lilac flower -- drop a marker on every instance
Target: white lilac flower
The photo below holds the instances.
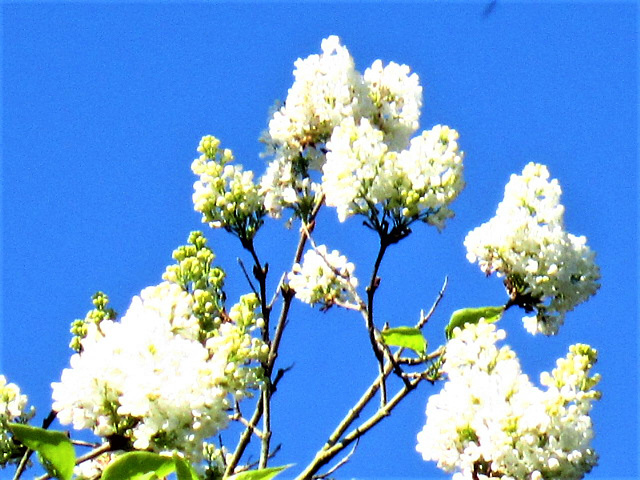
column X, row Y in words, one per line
column 327, row 88
column 490, row 421
column 356, row 128
column 324, row 278
column 361, row 173
column 281, row 187
column 147, row 378
column 397, row 98
column 226, row 196
column 433, row 166
column 358, row 169
column 545, row 268
column 13, row 409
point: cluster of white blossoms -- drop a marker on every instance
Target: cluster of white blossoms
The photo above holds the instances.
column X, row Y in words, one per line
column 225, row 195
column 148, row 379
column 326, row 90
column 397, row 97
column 416, row 183
column 13, row 408
column 545, row 268
column 356, row 128
column 282, row 187
column 324, row 278
column 490, row 421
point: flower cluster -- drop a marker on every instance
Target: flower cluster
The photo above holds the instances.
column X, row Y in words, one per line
column 195, row 273
column 397, row 98
column 324, row 278
column 326, row 90
column 140, row 380
column 13, row 409
column 545, row 268
column 225, row 195
column 490, row 421
column 417, row 183
column 164, row 376
column 356, row 128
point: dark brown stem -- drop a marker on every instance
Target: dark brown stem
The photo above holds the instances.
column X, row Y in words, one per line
column 371, row 329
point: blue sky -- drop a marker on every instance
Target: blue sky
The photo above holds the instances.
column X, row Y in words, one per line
column 103, row 106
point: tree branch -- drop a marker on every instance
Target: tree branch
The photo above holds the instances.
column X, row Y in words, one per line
column 273, row 346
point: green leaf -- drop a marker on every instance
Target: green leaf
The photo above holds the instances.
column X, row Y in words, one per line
column 472, row 315
column 406, row 337
column 262, row 474
column 184, row 470
column 54, row 448
column 139, row 466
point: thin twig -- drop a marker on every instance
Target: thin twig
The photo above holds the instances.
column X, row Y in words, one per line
column 81, row 443
column 244, row 440
column 249, row 466
column 240, row 419
column 340, row 463
column 425, row 318
column 247, row 277
column 326, row 454
column 266, row 424
column 279, row 374
column 276, row 294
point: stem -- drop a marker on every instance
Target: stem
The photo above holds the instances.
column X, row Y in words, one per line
column 266, row 422
column 371, row 291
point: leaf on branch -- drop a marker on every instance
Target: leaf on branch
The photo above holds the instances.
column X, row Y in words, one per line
column 261, row 474
column 139, row 466
column 405, row 337
column 54, row 448
column 184, row 470
column 461, row 317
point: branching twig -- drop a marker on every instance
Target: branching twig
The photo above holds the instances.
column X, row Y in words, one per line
column 425, row 318
column 236, row 417
column 247, row 277
column 249, row 466
column 340, row 463
column 274, row 345
column 279, row 374
column 244, row 440
column 327, row 453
